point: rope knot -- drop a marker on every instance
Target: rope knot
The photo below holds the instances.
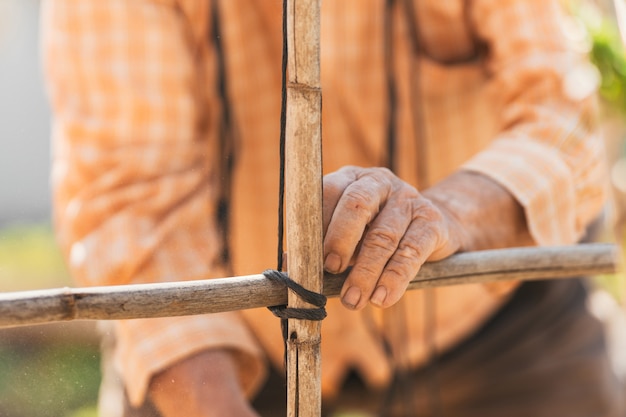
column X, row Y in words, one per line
column 314, row 298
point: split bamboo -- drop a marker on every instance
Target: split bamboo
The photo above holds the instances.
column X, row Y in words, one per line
column 303, row 202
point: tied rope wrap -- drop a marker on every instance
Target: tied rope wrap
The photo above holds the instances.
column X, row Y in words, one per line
column 284, row 312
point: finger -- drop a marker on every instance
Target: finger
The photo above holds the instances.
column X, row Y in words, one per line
column 334, row 185
column 415, row 247
column 377, row 247
column 357, row 207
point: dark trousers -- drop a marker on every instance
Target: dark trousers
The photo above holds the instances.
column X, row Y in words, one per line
column 541, row 355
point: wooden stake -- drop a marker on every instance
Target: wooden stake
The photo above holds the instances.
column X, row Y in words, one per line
column 303, row 208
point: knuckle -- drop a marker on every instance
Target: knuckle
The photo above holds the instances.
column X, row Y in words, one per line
column 426, row 210
column 379, row 175
column 359, row 201
column 417, row 245
column 348, row 169
column 381, row 238
column 375, row 171
column 406, row 194
column 397, row 272
column 410, row 252
column 382, row 172
column 366, row 269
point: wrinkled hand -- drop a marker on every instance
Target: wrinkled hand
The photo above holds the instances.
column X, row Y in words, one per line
column 387, row 228
column 203, row 385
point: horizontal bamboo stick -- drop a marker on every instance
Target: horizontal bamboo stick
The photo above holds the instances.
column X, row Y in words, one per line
column 238, row 293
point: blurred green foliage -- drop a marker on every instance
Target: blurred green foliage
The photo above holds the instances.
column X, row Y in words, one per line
column 606, row 47
column 48, row 380
column 607, row 53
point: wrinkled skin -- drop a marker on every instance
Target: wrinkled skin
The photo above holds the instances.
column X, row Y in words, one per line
column 387, row 227
column 386, row 230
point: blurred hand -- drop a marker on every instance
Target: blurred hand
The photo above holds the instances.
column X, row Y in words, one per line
column 203, row 385
column 387, row 229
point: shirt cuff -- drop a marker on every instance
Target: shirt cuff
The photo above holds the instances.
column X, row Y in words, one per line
column 541, row 182
column 147, row 346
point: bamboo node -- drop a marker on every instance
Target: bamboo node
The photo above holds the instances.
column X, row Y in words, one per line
column 69, row 304
column 302, row 88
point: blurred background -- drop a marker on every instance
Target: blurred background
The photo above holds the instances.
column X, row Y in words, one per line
column 53, row 370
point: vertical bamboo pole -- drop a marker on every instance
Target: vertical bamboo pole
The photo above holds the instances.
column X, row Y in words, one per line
column 303, row 206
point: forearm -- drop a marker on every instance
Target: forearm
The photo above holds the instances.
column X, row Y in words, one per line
column 486, row 214
column 203, row 385
column 547, row 152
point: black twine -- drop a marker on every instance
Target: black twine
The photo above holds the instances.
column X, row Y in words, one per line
column 283, row 123
column 284, row 312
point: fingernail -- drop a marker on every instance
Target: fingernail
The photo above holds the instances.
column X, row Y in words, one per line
column 351, row 297
column 332, row 263
column 378, row 298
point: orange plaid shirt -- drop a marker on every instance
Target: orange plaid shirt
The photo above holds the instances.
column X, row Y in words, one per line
column 502, row 92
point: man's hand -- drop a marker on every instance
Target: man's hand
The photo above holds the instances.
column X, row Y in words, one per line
column 388, row 229
column 203, row 385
